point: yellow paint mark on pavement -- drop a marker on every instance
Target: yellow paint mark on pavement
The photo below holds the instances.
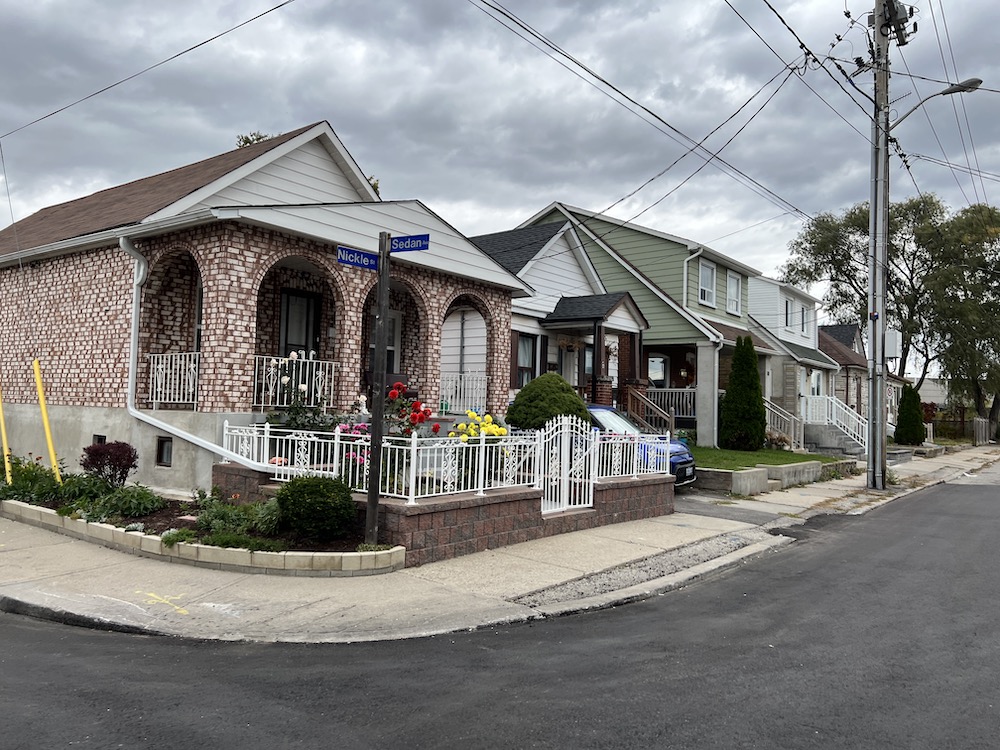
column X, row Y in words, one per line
column 168, row 600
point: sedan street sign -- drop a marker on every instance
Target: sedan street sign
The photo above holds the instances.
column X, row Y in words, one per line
column 412, row 242
column 358, row 258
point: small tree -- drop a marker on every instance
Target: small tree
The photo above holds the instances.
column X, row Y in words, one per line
column 543, row 398
column 742, row 418
column 112, row 462
column 910, row 425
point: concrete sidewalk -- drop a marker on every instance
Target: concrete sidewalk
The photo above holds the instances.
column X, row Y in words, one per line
column 48, row 575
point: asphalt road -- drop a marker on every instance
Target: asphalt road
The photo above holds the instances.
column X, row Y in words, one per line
column 879, row 631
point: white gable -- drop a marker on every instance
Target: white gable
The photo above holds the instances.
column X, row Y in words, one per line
column 559, row 270
column 308, row 174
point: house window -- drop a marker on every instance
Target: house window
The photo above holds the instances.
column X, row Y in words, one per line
column 99, row 439
column 803, row 309
column 164, row 451
column 706, row 283
column 788, row 314
column 734, row 293
column 527, row 349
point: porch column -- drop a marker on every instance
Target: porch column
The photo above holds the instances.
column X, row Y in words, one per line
column 707, row 397
column 351, row 324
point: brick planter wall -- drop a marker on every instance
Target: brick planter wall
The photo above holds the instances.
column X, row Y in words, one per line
column 450, row 527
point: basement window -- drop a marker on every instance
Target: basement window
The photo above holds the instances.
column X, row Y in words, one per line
column 164, row 451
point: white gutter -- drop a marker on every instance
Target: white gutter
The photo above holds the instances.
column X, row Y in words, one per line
column 686, row 261
column 140, row 274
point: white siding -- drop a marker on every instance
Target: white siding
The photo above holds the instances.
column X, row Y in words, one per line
column 358, row 225
column 463, row 347
column 553, row 274
column 308, row 174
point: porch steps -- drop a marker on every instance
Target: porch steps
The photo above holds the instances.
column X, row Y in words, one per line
column 829, row 441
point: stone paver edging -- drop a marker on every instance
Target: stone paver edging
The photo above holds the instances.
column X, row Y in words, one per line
column 205, row 556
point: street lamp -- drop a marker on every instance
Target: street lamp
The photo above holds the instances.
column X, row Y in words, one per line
column 878, row 253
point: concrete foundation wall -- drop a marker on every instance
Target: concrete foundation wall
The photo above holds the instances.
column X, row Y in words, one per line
column 74, row 427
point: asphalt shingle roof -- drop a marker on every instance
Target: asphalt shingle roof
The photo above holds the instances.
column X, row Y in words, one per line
column 590, row 307
column 515, row 248
column 129, row 203
column 843, row 333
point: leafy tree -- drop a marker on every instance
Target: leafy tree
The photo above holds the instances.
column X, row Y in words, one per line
column 833, row 249
column 742, row 418
column 248, row 139
column 543, row 398
column 910, row 424
column 966, row 290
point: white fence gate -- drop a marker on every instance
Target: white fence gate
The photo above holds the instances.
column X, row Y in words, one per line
column 567, row 465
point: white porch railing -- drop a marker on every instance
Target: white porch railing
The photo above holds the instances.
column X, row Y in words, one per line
column 831, row 410
column 786, row 423
column 421, row 467
column 282, row 381
column 462, row 392
column 680, row 401
column 173, row 379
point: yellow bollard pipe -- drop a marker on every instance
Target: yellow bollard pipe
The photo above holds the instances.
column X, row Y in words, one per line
column 5, row 445
column 53, row 459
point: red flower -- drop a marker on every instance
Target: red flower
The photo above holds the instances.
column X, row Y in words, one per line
column 393, row 394
column 421, row 417
column 397, row 386
column 417, row 406
column 413, row 418
column 427, row 412
column 436, row 428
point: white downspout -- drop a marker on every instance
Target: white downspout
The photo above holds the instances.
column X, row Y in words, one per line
column 686, row 261
column 140, row 275
column 715, row 395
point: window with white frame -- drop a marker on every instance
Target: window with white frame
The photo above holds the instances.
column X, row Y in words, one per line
column 734, row 292
column 788, row 314
column 706, row 283
column 803, row 325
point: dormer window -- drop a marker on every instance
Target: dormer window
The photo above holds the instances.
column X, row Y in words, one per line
column 706, row 283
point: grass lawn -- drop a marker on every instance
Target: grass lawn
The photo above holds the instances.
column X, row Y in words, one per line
column 717, row 458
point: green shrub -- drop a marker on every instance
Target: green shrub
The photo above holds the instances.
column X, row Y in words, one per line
column 317, row 508
column 80, row 489
column 742, row 417
column 543, row 398
column 217, row 516
column 243, row 541
column 267, row 517
column 910, row 424
column 122, row 502
column 31, row 482
column 112, row 462
column 170, row 537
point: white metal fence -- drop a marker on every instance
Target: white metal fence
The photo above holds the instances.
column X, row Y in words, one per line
column 417, row 467
column 462, row 392
column 173, row 379
column 283, row 381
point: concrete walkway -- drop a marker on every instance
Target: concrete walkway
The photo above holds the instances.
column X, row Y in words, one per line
column 48, row 575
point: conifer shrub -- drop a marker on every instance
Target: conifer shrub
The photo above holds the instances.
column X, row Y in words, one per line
column 317, row 508
column 543, row 398
column 742, row 418
column 910, row 424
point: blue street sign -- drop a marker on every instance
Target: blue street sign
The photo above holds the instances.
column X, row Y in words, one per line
column 358, row 258
column 412, row 242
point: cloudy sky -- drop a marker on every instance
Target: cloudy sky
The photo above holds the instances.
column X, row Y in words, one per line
column 442, row 102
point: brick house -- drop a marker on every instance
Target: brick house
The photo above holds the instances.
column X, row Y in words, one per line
column 161, row 308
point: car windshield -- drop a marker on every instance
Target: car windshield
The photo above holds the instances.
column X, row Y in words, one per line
column 612, row 421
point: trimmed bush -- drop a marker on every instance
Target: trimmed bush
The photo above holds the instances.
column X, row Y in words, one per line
column 910, row 425
column 319, row 508
column 112, row 462
column 543, row 398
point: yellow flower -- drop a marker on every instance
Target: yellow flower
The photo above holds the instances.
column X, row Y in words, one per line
column 470, row 414
column 461, row 426
column 464, row 438
column 488, row 419
column 478, row 419
column 451, row 434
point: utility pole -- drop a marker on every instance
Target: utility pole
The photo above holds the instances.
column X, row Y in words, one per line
column 889, row 17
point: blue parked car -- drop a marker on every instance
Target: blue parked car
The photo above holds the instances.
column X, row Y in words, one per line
column 609, row 419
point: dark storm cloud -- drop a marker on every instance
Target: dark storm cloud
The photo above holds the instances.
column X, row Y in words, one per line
column 442, row 103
